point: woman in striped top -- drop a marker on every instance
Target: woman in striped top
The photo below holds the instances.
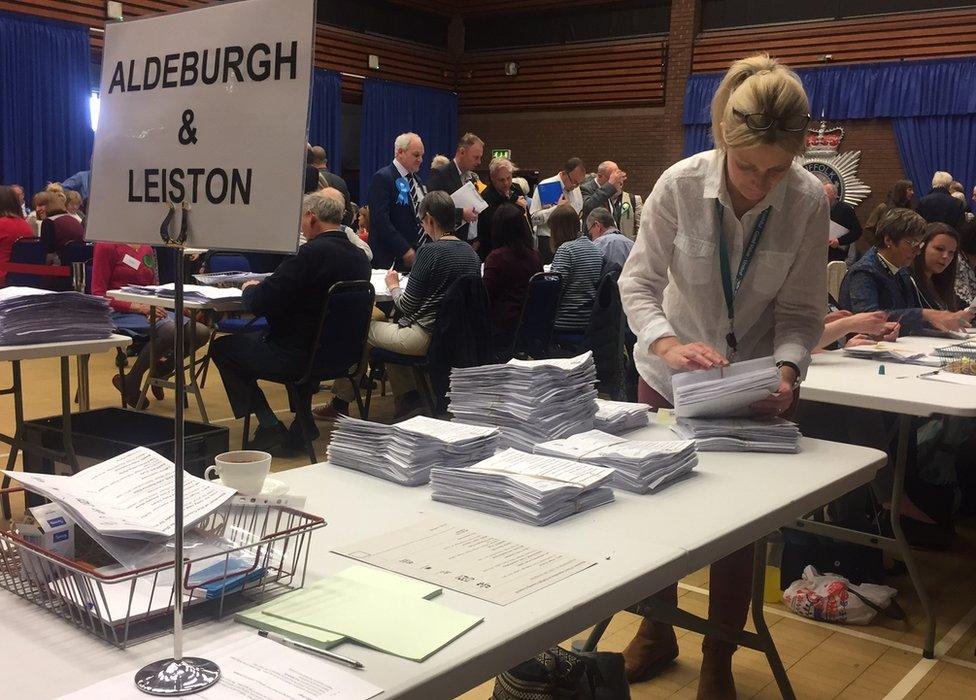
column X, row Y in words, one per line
column 580, row 263
column 439, row 263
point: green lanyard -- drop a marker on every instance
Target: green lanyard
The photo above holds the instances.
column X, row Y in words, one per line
column 728, row 286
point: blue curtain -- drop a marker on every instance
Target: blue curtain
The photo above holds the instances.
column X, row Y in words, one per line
column 866, row 91
column 928, row 144
column 698, row 138
column 390, row 109
column 45, row 128
column 325, row 117
column 932, row 112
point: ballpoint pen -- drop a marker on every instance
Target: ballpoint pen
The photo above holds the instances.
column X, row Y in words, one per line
column 292, row 644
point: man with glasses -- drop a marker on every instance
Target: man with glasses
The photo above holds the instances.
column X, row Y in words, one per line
column 570, row 178
column 614, row 245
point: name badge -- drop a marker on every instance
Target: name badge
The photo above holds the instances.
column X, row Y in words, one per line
column 130, row 261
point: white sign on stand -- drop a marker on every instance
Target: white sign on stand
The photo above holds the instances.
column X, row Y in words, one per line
column 207, row 108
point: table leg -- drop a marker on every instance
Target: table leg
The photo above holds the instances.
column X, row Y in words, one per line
column 905, row 552
column 84, row 391
column 69, row 447
column 144, row 393
column 192, row 385
column 17, row 391
column 759, row 620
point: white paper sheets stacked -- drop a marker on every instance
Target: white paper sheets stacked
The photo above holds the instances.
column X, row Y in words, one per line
column 882, row 352
column 639, row 466
column 533, row 489
column 724, row 392
column 29, row 315
column 407, row 451
column 739, row 435
column 530, row 401
column 229, row 279
column 191, row 292
column 619, row 416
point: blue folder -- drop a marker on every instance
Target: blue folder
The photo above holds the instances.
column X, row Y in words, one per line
column 550, row 192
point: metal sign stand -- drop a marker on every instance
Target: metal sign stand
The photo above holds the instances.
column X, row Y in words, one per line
column 179, row 675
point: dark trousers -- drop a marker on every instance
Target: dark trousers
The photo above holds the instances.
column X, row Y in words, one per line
column 243, row 359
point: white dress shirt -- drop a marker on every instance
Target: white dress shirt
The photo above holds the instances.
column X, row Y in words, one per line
column 671, row 284
column 540, row 214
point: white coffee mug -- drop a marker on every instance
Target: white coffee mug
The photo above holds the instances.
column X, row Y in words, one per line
column 243, row 470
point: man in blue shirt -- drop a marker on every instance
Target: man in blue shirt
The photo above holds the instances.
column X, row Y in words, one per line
column 614, row 245
column 80, row 182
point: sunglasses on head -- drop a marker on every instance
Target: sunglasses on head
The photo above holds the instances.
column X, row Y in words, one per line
column 763, row 122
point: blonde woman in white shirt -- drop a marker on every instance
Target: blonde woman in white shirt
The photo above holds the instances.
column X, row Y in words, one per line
column 730, row 264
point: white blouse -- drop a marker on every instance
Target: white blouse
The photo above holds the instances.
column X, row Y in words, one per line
column 671, row 284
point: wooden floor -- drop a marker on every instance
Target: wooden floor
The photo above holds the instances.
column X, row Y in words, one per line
column 882, row 660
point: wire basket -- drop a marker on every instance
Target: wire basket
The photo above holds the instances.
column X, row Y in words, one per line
column 265, row 555
column 959, row 358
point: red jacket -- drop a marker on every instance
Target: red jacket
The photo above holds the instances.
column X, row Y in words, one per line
column 119, row 264
column 11, row 228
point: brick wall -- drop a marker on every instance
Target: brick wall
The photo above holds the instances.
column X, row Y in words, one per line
column 543, row 141
column 685, row 16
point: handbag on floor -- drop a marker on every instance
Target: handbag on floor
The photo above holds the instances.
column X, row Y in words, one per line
column 558, row 674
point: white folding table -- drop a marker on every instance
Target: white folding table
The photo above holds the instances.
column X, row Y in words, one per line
column 640, row 544
column 835, row 378
column 82, row 349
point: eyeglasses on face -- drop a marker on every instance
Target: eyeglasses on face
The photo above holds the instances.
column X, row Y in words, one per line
column 913, row 242
column 760, row 121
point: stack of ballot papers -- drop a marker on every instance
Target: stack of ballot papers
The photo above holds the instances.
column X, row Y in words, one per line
column 191, row 292
column 406, row 452
column 29, row 316
column 533, row 489
column 619, row 416
column 368, row 606
column 639, row 466
column 530, row 401
column 229, row 279
column 883, row 352
column 739, row 435
column 724, row 392
column 127, row 502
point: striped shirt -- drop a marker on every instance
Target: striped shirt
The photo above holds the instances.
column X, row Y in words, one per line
column 580, row 263
column 438, row 265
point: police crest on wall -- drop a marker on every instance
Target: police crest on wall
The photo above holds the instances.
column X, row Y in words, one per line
column 822, row 159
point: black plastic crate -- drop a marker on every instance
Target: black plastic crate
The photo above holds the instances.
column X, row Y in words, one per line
column 107, row 432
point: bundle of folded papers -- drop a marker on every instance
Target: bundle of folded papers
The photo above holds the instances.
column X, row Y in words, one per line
column 191, row 292
column 739, row 435
column 533, row 489
column 639, row 466
column 530, row 401
column 724, row 392
column 882, row 352
column 29, row 316
column 406, row 452
column 619, row 416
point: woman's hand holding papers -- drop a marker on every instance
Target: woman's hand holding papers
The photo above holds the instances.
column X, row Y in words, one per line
column 776, row 403
column 687, row 356
column 948, row 320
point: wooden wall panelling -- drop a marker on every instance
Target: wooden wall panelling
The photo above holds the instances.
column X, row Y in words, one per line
column 597, row 74
column 907, row 36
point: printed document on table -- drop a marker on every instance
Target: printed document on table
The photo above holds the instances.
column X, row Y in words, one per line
column 254, row 668
column 464, row 560
column 128, row 496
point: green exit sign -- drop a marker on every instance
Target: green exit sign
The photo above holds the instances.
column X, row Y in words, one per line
column 501, row 153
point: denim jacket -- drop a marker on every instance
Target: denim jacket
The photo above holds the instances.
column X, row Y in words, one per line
column 870, row 286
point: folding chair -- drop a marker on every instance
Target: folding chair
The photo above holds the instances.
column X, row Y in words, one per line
column 27, row 251
column 337, row 353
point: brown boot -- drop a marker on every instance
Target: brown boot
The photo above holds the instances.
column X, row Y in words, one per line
column 715, row 681
column 652, row 649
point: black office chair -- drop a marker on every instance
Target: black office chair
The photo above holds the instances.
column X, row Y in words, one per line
column 337, row 353
column 461, row 338
column 533, row 335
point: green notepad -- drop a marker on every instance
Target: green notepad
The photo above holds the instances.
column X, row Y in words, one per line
column 387, row 620
column 325, row 639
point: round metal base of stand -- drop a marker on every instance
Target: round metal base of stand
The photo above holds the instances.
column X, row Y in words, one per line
column 171, row 678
